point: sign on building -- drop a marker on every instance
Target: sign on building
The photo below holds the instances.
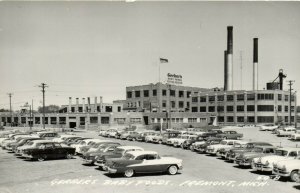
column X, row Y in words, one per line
column 175, row 79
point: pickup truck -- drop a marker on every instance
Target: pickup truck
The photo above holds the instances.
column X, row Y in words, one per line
column 230, row 135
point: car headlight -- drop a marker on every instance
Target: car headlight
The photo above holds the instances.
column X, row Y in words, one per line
column 274, row 165
column 283, row 168
column 267, row 163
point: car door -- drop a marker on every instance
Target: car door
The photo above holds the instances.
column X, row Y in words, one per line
column 48, row 150
column 58, row 151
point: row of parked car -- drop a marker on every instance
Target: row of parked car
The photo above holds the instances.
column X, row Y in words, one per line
column 108, row 155
column 282, row 131
column 260, row 156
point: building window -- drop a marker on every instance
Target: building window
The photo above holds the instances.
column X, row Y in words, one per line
column 164, row 92
column 265, row 96
column 129, row 94
column 23, row 120
column 229, row 108
column 72, row 109
column 279, row 97
column 172, row 93
column 137, row 93
column 240, row 97
column 220, row 97
column 292, row 98
column 286, row 97
column 38, row 120
column 286, row 119
column 181, row 93
column 202, row 120
column 203, row 99
column 240, row 119
column 240, row 108
column 229, row 97
column 187, row 104
column 93, row 119
column 251, row 97
column 82, row 120
column 192, row 120
column 250, row 108
column 173, row 104
column 104, row 120
column 286, row 108
column 265, row 119
column 53, row 120
column 279, row 108
column 211, row 98
column 220, row 108
column 194, row 109
column 119, row 109
column 220, row 119
column 164, row 103
column 154, row 92
column 211, row 109
column 119, row 120
column 265, row 108
column 292, row 108
column 146, row 93
column 180, row 104
column 108, row 108
column 188, row 94
column 202, row 109
column 251, row 119
column 229, row 119
column 194, row 99
column 135, row 120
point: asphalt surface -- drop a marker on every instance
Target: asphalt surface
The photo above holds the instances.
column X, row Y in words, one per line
column 201, row 173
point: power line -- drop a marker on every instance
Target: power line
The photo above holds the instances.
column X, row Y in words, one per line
column 10, row 94
column 290, row 84
column 43, row 86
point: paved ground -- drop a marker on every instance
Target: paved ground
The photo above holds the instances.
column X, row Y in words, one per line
column 201, row 173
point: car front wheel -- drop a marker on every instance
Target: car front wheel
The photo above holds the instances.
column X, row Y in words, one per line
column 295, row 176
column 172, row 170
column 129, row 173
column 69, row 156
column 41, row 158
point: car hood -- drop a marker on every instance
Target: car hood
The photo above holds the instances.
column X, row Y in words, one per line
column 273, row 159
column 199, row 143
column 289, row 163
column 218, row 146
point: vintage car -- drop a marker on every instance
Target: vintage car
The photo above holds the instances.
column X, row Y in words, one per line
column 171, row 141
column 23, row 142
column 230, row 135
column 100, row 144
column 201, row 146
column 7, row 144
column 233, row 153
column 268, row 127
column 62, row 138
column 125, row 134
column 71, row 141
column 143, row 162
column 30, row 144
column 117, row 153
column 162, row 139
column 266, row 163
column 149, row 138
column 212, row 133
column 19, row 142
column 102, row 132
column 47, row 134
column 90, row 156
column 49, row 150
column 187, row 144
column 179, row 141
column 143, row 135
column 222, row 152
column 11, row 138
column 245, row 158
column 82, row 143
column 286, row 131
column 133, row 136
column 93, row 142
column 288, row 168
column 213, row 149
column 295, row 136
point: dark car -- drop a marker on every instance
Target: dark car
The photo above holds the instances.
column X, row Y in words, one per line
column 143, row 135
column 187, row 144
column 133, row 136
column 232, row 153
column 230, row 135
column 212, row 133
column 91, row 156
column 49, row 150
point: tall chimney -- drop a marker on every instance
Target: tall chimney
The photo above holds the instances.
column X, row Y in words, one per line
column 101, row 104
column 89, row 104
column 229, row 74
column 225, row 70
column 70, row 105
column 77, row 105
column 255, row 64
column 83, row 105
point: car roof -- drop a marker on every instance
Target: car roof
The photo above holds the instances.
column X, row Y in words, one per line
column 289, row 148
column 137, row 153
column 41, row 141
column 129, row 147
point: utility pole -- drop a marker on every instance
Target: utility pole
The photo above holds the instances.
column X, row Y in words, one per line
column 43, row 86
column 10, row 94
column 290, row 116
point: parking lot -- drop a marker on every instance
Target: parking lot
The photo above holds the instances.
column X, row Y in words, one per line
column 201, row 173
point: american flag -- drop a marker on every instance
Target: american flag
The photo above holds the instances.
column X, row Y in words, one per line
column 163, row 60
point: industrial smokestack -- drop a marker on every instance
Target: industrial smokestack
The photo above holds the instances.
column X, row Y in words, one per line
column 225, row 70
column 77, row 105
column 101, row 104
column 70, row 105
column 89, row 104
column 229, row 74
column 83, row 105
column 255, row 64
column 95, row 106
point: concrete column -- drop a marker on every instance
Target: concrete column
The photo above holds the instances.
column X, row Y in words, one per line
column 83, row 105
column 70, row 105
column 95, row 106
column 77, row 105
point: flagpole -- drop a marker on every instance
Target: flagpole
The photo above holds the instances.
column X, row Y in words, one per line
column 159, row 71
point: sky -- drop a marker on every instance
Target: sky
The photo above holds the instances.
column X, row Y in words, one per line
column 82, row 49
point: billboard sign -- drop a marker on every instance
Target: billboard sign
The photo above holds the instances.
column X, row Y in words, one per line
column 175, row 79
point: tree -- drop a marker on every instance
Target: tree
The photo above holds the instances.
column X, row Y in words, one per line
column 49, row 109
column 4, row 110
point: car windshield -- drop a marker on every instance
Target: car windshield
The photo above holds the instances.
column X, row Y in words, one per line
column 128, row 156
column 223, row 142
column 119, row 150
column 82, row 143
column 29, row 143
column 281, row 152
